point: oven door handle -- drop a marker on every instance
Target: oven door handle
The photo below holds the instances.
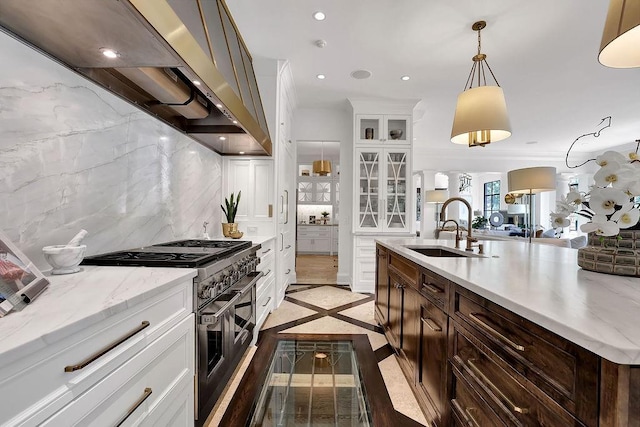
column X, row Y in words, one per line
column 213, row 318
column 254, row 276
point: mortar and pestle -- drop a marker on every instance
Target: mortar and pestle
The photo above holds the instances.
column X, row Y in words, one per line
column 66, row 259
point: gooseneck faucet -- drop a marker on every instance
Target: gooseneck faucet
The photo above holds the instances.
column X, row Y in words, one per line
column 458, row 237
column 470, row 239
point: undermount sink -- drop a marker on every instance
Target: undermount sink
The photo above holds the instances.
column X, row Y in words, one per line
column 438, row 252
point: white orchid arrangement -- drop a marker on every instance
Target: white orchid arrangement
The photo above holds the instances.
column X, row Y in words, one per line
column 609, row 204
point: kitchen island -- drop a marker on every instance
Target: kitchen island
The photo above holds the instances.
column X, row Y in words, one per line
column 104, row 344
column 519, row 335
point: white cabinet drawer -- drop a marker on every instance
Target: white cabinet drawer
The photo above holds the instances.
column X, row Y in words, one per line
column 42, row 377
column 366, row 252
column 264, row 298
column 314, row 234
column 137, row 387
column 267, row 249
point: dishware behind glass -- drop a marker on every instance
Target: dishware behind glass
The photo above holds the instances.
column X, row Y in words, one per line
column 368, row 133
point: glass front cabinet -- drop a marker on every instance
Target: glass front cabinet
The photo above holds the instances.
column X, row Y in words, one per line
column 387, row 129
column 383, row 190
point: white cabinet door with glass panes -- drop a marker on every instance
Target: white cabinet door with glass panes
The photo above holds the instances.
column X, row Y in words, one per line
column 383, row 128
column 382, row 190
column 491, row 197
column 314, row 191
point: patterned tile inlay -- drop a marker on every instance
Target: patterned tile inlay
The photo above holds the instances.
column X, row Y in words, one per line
column 287, row 312
column 363, row 312
column 329, row 325
column 401, row 395
column 327, row 297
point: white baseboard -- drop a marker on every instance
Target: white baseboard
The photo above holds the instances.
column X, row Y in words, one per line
column 343, row 279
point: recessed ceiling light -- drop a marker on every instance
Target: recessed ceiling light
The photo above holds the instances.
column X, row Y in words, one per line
column 196, row 82
column 219, row 105
column 240, row 152
column 319, row 16
column 222, row 138
column 320, row 43
column 109, row 53
column 405, row 78
column 321, row 76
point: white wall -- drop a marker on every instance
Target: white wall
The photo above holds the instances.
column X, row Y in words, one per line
column 334, row 125
column 74, row 156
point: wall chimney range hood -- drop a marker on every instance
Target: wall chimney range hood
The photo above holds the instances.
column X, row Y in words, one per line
column 162, row 47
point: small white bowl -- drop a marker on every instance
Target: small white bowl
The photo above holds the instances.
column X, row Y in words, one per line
column 64, row 259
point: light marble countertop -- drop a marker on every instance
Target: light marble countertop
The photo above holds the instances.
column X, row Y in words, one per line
column 543, row 283
column 74, row 301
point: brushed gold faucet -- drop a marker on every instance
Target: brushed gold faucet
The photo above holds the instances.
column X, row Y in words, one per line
column 470, row 238
column 458, row 237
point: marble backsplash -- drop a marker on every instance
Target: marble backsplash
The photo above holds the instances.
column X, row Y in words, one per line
column 74, row 156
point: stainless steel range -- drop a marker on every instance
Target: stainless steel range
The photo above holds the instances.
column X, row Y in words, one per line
column 224, row 303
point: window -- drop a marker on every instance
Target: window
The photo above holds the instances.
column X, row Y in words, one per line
column 491, row 198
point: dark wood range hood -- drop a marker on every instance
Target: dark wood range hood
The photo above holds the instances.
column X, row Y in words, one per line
column 163, row 47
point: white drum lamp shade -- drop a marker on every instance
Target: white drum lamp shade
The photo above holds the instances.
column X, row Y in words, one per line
column 481, row 117
column 516, row 209
column 532, row 180
column 436, row 196
column 620, row 46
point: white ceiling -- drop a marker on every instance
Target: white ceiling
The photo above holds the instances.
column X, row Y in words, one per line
column 543, row 53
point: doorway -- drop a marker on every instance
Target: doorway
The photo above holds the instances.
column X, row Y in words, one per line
column 317, row 203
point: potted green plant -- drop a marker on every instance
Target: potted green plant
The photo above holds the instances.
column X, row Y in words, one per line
column 479, row 222
column 230, row 228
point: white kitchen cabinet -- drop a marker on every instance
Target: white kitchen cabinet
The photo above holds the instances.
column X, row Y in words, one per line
column 134, row 390
column 315, row 190
column 265, row 288
column 314, row 239
column 254, row 177
column 390, row 129
column 383, row 190
column 334, row 239
column 95, row 373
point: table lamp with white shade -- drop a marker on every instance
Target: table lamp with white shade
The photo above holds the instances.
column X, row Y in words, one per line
column 437, row 196
column 532, row 181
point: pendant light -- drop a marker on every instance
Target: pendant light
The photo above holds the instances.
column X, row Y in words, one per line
column 620, row 46
column 481, row 111
column 322, row 167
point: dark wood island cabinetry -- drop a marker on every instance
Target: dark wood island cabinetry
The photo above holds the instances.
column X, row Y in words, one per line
column 472, row 362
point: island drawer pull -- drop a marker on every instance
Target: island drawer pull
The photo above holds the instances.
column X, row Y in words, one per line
column 106, row 349
column 474, row 317
column 431, row 324
column 266, row 251
column 288, row 271
column 136, row 405
column 288, row 247
column 267, row 273
column 492, row 386
column 267, row 303
column 431, row 288
column 469, row 419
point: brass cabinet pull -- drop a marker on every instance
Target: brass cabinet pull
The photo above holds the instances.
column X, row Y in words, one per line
column 431, row 324
column 106, row 349
column 495, row 388
column 431, row 288
column 469, row 419
column 136, row 405
column 495, row 333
